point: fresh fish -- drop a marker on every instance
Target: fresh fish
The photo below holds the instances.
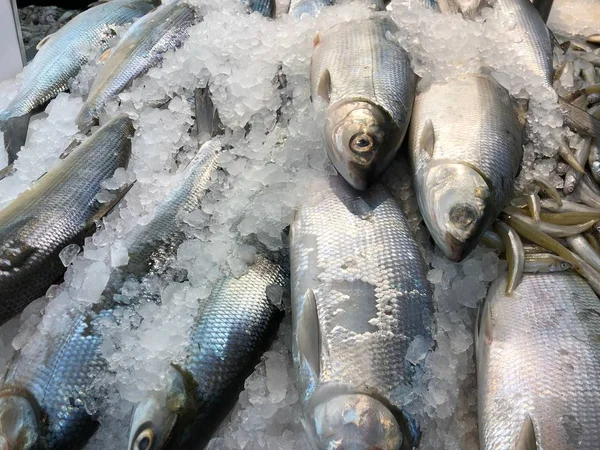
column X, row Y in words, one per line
column 543, row 7
column 360, row 296
column 140, row 49
column 368, row 84
column 310, row 7
column 56, row 211
column 61, row 55
column 538, row 365
column 465, row 146
column 232, row 329
column 47, row 387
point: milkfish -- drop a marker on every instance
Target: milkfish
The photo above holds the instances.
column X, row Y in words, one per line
column 47, row 386
column 233, row 326
column 364, row 76
column 61, row 55
column 360, row 297
column 538, row 365
column 465, row 144
column 142, row 47
column 58, row 210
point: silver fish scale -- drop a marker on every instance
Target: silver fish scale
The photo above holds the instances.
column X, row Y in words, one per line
column 53, row 213
column 357, row 253
column 140, row 49
column 541, row 358
column 364, row 64
column 483, row 132
column 61, row 57
column 531, row 33
column 232, row 329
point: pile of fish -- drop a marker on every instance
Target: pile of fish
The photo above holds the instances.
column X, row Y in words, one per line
column 340, row 197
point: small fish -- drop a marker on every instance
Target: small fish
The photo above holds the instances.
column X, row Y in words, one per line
column 360, row 296
column 544, row 263
column 463, row 168
column 365, row 78
column 538, row 365
column 56, row 211
column 61, row 55
column 141, row 48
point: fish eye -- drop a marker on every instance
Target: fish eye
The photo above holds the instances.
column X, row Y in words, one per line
column 361, row 142
column 565, row 265
column 144, row 440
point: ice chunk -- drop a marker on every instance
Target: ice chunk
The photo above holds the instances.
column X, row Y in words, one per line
column 68, row 254
column 418, row 349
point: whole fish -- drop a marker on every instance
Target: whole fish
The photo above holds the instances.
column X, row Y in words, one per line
column 61, row 55
column 465, row 146
column 365, row 77
column 56, row 211
column 538, row 365
column 46, row 388
column 360, row 296
column 141, row 48
column 310, row 7
column 231, row 330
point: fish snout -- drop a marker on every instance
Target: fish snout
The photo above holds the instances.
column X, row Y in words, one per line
column 356, row 422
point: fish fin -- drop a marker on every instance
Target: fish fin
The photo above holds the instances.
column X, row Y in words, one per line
column 309, row 333
column 15, row 135
column 72, row 146
column 43, row 41
column 483, row 326
column 106, row 208
column 105, row 54
column 324, row 86
column 427, row 139
column 317, row 39
column 8, row 170
column 526, row 439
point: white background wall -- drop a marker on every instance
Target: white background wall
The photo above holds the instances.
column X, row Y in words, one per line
column 11, row 59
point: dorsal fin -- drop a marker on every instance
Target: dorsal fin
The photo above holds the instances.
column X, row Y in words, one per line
column 309, row 333
column 316, row 39
column 324, row 86
column 43, row 41
column 427, row 139
column 526, row 439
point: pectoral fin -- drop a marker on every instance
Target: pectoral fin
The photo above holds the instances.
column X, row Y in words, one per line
column 309, row 333
column 526, row 439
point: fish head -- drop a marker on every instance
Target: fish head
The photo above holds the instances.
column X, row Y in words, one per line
column 453, row 199
column 361, row 141
column 353, row 422
column 19, row 426
column 155, row 416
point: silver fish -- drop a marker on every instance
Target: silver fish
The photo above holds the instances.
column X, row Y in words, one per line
column 310, row 7
column 232, row 329
column 56, row 211
column 538, row 365
column 47, row 387
column 360, row 296
column 365, row 77
column 62, row 54
column 140, row 49
column 465, row 146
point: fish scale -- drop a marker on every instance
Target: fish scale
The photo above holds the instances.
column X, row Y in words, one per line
column 53, row 213
column 141, row 48
column 535, row 349
column 364, row 63
column 356, row 253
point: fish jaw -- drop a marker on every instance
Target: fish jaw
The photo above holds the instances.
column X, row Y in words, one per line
column 361, row 141
column 455, row 202
column 19, row 429
column 352, row 421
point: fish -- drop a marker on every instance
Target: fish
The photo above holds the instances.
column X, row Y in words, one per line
column 48, row 385
column 538, row 364
column 543, row 7
column 298, row 8
column 367, row 83
column 465, row 145
column 142, row 47
column 60, row 58
column 58, row 210
column 265, row 7
column 232, row 328
column 360, row 297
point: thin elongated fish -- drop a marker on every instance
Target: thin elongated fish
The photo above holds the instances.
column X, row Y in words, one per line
column 465, row 146
column 231, row 330
column 60, row 57
column 538, row 365
column 360, row 296
column 366, row 79
column 140, row 49
column 56, row 211
column 46, row 388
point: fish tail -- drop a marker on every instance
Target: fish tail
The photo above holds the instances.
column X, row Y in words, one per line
column 15, row 133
